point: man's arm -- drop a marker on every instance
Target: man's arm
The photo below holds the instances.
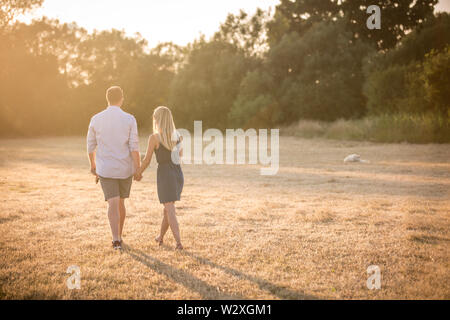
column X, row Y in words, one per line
column 137, row 164
column 91, row 146
column 134, row 149
column 92, row 162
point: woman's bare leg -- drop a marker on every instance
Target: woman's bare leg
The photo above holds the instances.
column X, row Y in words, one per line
column 164, row 228
column 173, row 222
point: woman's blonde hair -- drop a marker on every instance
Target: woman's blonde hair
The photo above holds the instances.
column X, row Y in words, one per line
column 164, row 126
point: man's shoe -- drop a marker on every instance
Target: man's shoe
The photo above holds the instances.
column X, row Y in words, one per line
column 117, row 245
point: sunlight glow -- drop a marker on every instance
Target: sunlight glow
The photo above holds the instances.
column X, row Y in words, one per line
column 178, row 21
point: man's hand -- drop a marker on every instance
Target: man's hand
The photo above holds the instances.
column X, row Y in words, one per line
column 137, row 164
column 138, row 174
column 92, row 162
column 94, row 172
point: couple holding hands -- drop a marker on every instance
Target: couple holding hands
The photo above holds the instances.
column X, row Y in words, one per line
column 113, row 149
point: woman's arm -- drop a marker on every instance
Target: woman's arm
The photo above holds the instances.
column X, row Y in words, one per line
column 181, row 147
column 152, row 143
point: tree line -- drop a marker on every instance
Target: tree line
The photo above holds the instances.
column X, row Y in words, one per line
column 308, row 60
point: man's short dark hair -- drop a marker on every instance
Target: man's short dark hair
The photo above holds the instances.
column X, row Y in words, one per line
column 114, row 95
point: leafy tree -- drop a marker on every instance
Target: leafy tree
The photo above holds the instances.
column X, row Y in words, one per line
column 50, row 37
column 33, row 94
column 389, row 90
column 398, row 17
column 171, row 56
column 436, row 77
column 316, row 76
column 147, row 83
column 11, row 9
column 434, row 34
column 397, row 81
column 300, row 15
column 256, row 105
column 305, row 61
column 107, row 54
column 206, row 86
column 54, row 76
column 277, row 27
column 246, row 32
column 106, row 58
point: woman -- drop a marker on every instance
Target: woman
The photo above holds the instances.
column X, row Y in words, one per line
column 165, row 142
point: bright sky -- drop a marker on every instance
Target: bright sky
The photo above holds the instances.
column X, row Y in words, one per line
column 179, row 21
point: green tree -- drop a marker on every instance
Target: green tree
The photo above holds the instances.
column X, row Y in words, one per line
column 436, row 77
column 256, row 105
column 299, row 15
column 316, row 76
column 390, row 90
column 50, row 37
column 104, row 59
column 398, row 17
column 434, row 34
column 246, row 32
column 206, row 86
column 396, row 81
column 147, row 84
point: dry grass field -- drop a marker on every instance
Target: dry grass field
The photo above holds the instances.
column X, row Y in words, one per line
column 309, row 232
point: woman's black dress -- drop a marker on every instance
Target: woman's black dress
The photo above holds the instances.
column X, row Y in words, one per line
column 169, row 177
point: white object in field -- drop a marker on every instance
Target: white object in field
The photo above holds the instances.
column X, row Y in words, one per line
column 355, row 158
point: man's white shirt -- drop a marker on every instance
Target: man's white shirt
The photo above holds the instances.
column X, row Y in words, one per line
column 114, row 134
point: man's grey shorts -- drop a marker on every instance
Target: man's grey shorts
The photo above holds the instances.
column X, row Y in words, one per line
column 116, row 187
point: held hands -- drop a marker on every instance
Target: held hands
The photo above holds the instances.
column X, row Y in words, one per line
column 137, row 177
column 138, row 174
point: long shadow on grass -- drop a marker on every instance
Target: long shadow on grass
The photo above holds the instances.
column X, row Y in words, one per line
column 276, row 290
column 205, row 290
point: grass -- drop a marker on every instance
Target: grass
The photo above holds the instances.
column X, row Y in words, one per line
column 383, row 128
column 310, row 232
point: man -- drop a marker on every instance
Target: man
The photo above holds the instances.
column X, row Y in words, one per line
column 113, row 148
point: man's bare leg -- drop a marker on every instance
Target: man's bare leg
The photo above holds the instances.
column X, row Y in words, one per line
column 113, row 216
column 123, row 213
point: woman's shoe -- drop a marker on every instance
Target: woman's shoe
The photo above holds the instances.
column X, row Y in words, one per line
column 179, row 246
column 159, row 241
